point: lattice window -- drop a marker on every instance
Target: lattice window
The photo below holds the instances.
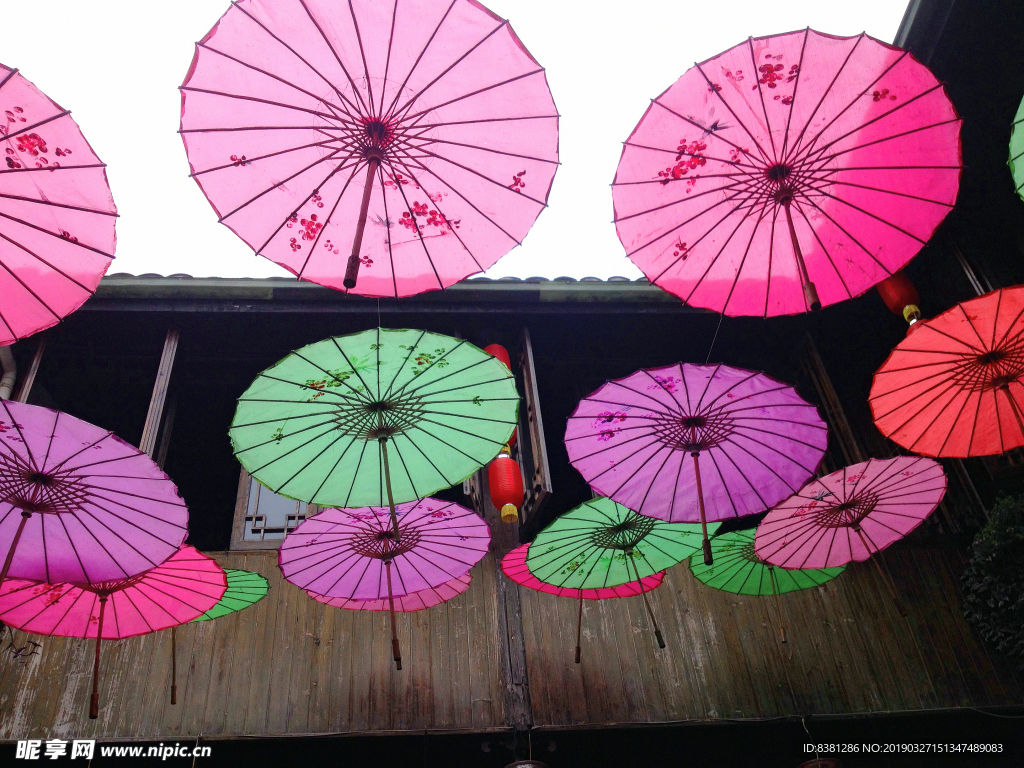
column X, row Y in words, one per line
column 262, row 517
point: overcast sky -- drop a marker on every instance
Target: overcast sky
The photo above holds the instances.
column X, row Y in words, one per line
column 116, row 64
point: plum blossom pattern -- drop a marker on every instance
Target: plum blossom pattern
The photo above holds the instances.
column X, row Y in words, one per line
column 667, row 383
column 689, row 158
column 431, row 217
column 518, row 185
column 607, row 420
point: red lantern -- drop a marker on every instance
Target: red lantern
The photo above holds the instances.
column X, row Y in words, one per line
column 498, row 351
column 901, row 297
column 506, row 483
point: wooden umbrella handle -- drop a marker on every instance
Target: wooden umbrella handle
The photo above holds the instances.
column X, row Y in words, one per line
column 352, row 268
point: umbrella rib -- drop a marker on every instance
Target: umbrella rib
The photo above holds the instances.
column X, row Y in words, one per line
column 362, row 53
column 682, row 153
column 796, row 87
column 408, row 474
column 475, row 173
column 346, row 399
column 398, row 91
column 695, row 124
column 738, row 187
column 387, row 60
column 485, row 120
column 412, row 100
column 824, row 250
column 51, row 234
column 18, row 427
column 419, row 232
column 387, row 216
column 330, row 46
column 251, row 160
column 493, row 151
column 258, row 100
column 44, row 121
column 67, row 206
column 22, row 283
column 401, row 367
column 746, row 252
column 412, row 120
column 8, row 76
column 829, row 195
column 718, row 93
column 344, row 99
column 838, row 226
column 760, row 93
column 41, row 260
column 54, row 168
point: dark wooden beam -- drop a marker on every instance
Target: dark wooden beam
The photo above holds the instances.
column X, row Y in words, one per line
column 33, row 370
column 154, row 416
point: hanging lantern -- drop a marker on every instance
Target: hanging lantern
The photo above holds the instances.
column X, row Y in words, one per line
column 506, row 484
column 900, row 297
column 498, row 351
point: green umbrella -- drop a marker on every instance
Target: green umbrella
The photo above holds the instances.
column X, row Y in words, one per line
column 244, row 589
column 1016, row 161
column 602, row 544
column 737, row 569
column 374, row 419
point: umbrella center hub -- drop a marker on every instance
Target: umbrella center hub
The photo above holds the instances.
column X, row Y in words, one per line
column 693, row 433
column 377, row 137
column 378, row 419
column 625, row 535
column 748, row 554
column 382, row 545
column 848, row 514
column 32, row 491
column 777, row 173
column 995, row 369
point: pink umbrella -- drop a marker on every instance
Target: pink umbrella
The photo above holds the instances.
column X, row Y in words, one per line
column 173, row 593
column 851, row 514
column 788, row 173
column 56, row 212
column 515, row 567
column 353, row 554
column 425, row 125
column 414, row 601
column 630, row 438
column 78, row 504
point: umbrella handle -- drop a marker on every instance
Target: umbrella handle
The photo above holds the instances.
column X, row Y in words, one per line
column 579, row 628
column 387, row 483
column 352, row 269
column 94, row 700
column 174, row 666
column 775, row 599
column 14, row 545
column 659, row 638
column 810, row 292
column 708, row 560
column 396, row 650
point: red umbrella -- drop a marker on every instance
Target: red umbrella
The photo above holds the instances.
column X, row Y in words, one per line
column 851, row 514
column 174, row 593
column 515, row 567
column 56, row 212
column 79, row 505
column 788, row 173
column 953, row 387
column 425, row 125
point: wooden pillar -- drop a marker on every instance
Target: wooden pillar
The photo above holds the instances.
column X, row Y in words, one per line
column 154, row 416
column 30, row 375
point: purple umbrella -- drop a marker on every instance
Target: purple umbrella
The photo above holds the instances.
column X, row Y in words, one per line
column 760, row 442
column 78, row 504
column 354, row 553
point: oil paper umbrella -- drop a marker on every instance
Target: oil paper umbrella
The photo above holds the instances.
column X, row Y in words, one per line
column 788, row 173
column 739, row 570
column 752, row 440
column 515, row 567
column 377, row 418
column 414, row 601
column 173, row 593
column 244, row 589
column 601, row 544
column 953, row 387
column 79, row 505
column 1017, row 149
column 56, row 212
column 851, row 514
column 359, row 554
column 390, row 148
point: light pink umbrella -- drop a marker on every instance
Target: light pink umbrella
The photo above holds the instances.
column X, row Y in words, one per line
column 78, row 504
column 353, row 554
column 56, row 212
column 385, row 147
column 752, row 441
column 414, row 601
column 851, row 514
column 173, row 593
column 787, row 173
column 515, row 567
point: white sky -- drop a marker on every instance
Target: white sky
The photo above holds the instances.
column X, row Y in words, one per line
column 116, row 64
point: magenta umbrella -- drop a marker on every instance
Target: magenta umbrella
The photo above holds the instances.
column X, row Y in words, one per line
column 414, row 601
column 851, row 514
column 173, row 593
column 788, row 173
column 382, row 147
column 56, row 212
column 515, row 567
column 353, row 554
column 759, row 439
column 78, row 504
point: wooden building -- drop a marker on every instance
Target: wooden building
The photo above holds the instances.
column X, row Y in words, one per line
column 160, row 361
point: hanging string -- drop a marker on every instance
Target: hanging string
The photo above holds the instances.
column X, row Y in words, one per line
column 715, row 337
column 378, row 311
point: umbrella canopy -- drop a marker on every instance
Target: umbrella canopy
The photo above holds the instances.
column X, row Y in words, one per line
column 359, row 554
column 425, row 124
column 515, row 567
column 851, row 514
column 756, row 439
column 79, row 505
column 173, row 593
column 601, row 544
column 739, row 570
column 243, row 589
column 320, row 425
column 788, row 173
column 56, row 212
column 953, row 387
column 1017, row 149
column 414, row 601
